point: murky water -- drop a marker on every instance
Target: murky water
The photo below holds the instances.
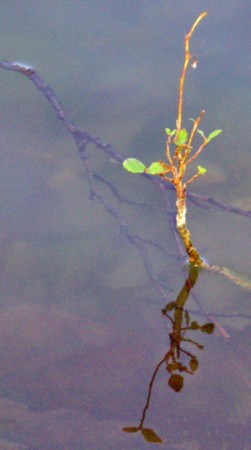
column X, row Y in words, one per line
column 81, row 324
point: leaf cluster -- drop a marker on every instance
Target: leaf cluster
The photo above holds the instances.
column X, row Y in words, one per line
column 180, row 159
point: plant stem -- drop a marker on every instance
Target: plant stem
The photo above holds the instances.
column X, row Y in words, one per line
column 193, row 254
column 183, row 75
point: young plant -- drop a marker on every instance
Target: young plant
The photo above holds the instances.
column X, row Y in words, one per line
column 173, row 170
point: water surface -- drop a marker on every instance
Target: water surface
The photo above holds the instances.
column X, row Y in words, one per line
column 81, row 324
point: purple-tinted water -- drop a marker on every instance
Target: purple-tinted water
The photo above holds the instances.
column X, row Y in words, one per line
column 81, row 329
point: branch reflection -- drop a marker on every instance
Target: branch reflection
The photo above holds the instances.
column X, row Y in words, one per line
column 177, row 360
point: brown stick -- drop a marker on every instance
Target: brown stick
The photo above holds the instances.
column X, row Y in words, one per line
column 186, row 62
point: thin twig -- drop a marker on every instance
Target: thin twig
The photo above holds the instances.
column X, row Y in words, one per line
column 183, row 75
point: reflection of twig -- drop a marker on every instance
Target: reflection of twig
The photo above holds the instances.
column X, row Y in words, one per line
column 150, row 391
column 181, row 323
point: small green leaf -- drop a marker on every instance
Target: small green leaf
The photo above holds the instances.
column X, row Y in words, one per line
column 182, row 137
column 176, row 382
column 213, row 134
column 201, row 170
column 208, row 328
column 150, row 435
column 158, row 168
column 131, row 429
column 193, row 364
column 169, row 132
column 134, row 165
column 201, row 133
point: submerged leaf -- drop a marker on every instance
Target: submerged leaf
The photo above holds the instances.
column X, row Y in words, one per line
column 158, row 168
column 172, row 366
column 130, row 429
column 194, row 325
column 150, row 435
column 208, row 328
column 176, row 382
column 213, row 134
column 134, row 165
column 193, row 364
column 170, row 306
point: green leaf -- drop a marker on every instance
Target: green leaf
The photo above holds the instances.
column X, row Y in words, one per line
column 201, row 170
column 169, row 132
column 201, row 133
column 208, row 328
column 182, row 137
column 176, row 382
column 131, row 429
column 213, row 134
column 150, row 435
column 134, row 165
column 193, row 364
column 158, row 168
